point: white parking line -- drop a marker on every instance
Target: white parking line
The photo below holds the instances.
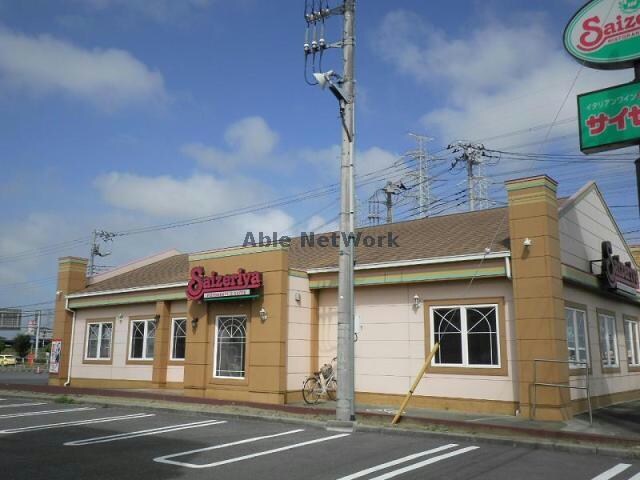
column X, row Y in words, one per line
column 16, row 405
column 45, row 412
column 142, row 433
column 424, row 463
column 398, row 461
column 635, row 477
column 134, row 416
column 244, row 457
column 612, row 472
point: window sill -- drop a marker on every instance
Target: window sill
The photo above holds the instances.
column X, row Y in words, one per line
column 136, row 361
column 610, row 370
column 502, row 371
column 97, row 361
column 176, row 362
column 228, row 381
column 579, row 372
column 634, row 368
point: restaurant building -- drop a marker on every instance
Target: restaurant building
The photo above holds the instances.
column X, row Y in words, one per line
column 541, row 278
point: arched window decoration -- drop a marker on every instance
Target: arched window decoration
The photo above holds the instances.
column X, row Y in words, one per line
column 231, row 341
column 468, row 335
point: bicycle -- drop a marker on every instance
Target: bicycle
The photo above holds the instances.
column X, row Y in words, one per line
column 321, row 383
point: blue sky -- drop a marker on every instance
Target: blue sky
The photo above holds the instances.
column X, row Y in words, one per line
column 124, row 113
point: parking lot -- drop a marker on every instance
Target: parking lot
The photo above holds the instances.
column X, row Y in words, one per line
column 44, row 439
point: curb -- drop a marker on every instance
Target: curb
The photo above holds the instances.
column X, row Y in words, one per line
column 446, row 430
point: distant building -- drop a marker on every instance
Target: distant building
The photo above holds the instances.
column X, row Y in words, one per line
column 10, row 322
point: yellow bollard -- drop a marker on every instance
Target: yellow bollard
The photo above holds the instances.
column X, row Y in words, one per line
column 415, row 383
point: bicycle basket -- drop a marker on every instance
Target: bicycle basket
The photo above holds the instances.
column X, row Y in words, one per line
column 326, row 370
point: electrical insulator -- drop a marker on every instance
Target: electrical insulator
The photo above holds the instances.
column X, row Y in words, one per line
column 314, row 45
column 307, row 48
column 322, row 44
column 309, row 17
column 326, row 12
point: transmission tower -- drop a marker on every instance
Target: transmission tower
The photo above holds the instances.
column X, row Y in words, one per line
column 473, row 156
column 97, row 237
column 421, row 192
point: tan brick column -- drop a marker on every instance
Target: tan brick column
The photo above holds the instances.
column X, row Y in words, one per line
column 195, row 362
column 538, row 295
column 72, row 276
column 161, row 347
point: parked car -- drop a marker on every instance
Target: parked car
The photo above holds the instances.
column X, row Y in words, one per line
column 7, row 360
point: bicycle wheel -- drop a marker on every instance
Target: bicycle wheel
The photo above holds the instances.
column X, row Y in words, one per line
column 332, row 389
column 311, row 391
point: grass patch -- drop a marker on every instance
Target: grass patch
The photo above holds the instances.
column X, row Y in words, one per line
column 64, row 399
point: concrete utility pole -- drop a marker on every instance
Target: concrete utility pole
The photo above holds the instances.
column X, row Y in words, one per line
column 38, row 314
column 472, row 154
column 344, row 90
column 345, row 409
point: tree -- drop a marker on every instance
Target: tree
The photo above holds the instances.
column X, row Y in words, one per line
column 22, row 345
column 2, row 344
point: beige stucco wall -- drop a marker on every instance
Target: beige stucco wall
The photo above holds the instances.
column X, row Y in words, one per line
column 391, row 344
column 299, row 337
column 583, row 227
column 604, row 384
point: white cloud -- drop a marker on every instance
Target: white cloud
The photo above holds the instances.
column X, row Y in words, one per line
column 160, row 11
column 168, row 197
column 498, row 78
column 108, row 78
column 249, row 142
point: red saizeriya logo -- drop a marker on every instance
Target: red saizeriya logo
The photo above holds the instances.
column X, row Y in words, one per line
column 200, row 283
column 596, row 34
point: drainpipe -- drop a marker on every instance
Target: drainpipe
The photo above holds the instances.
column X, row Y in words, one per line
column 73, row 326
column 507, row 266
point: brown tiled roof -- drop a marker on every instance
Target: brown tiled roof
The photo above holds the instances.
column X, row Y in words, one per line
column 456, row 234
column 170, row 270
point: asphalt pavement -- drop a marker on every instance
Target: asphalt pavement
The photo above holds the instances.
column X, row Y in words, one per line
column 18, row 376
column 41, row 439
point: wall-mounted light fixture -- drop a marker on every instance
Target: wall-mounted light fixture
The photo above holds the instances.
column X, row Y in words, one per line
column 416, row 301
column 120, row 317
column 527, row 242
column 298, row 297
column 263, row 314
column 157, row 318
column 194, row 322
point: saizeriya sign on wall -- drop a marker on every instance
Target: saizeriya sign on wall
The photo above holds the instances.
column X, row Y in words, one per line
column 605, row 34
column 210, row 287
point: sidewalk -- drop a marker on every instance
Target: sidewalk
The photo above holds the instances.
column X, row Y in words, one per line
column 616, row 429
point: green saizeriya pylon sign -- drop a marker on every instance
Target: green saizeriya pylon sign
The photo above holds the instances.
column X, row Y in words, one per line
column 605, row 34
column 609, row 118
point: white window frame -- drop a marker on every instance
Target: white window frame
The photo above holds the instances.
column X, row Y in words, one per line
column 574, row 320
column 464, row 335
column 215, row 348
column 144, row 339
column 173, row 336
column 99, row 347
column 603, row 319
column 631, row 330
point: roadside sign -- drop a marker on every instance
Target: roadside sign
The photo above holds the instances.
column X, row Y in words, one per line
column 609, row 118
column 54, row 358
column 605, row 34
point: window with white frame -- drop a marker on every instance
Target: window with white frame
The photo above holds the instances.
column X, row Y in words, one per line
column 577, row 337
column 230, row 346
column 98, row 341
column 178, row 338
column 632, row 341
column 468, row 335
column 608, row 340
column 143, row 336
